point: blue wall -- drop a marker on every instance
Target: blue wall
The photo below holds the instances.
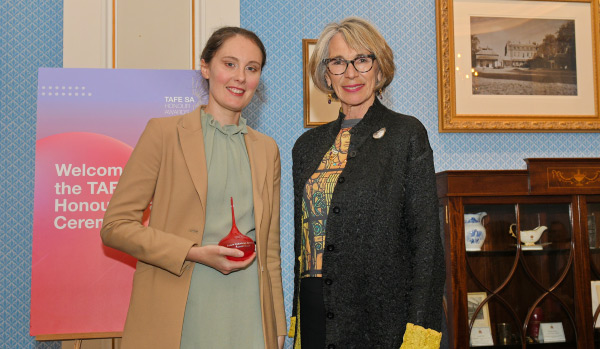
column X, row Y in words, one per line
column 410, row 29
column 32, row 37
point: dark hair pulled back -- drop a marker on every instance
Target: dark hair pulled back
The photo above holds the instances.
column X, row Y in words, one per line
column 218, row 38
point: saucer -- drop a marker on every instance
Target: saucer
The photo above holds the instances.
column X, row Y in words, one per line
column 535, row 247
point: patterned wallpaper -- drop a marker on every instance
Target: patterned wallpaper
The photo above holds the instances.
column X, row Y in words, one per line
column 32, row 37
column 409, row 28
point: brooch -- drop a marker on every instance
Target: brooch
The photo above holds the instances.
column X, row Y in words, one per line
column 379, row 133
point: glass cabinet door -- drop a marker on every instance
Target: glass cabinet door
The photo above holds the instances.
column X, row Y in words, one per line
column 520, row 274
column 593, row 226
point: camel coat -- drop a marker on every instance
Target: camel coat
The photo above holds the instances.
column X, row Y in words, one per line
column 168, row 167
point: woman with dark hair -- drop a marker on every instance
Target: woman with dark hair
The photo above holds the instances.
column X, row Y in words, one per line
column 187, row 293
column 367, row 242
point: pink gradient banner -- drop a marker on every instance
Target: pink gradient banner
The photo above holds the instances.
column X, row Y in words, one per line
column 88, row 121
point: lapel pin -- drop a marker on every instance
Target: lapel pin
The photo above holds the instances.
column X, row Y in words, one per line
column 379, row 133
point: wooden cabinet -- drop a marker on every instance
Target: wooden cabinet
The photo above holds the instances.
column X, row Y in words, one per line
column 511, row 289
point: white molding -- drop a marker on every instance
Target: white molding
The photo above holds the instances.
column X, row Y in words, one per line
column 107, row 29
column 199, row 40
column 212, row 14
column 84, row 34
column 88, row 29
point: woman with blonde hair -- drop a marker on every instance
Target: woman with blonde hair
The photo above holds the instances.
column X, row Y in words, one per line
column 367, row 240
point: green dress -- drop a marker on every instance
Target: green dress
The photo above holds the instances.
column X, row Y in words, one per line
column 223, row 311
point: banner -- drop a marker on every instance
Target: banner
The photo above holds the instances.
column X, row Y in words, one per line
column 88, row 121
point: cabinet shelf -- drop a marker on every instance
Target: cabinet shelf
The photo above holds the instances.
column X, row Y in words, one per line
column 531, row 345
column 513, row 252
column 506, row 284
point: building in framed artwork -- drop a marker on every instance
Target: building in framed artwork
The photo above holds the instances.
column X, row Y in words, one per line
column 317, row 110
column 518, row 66
column 482, row 317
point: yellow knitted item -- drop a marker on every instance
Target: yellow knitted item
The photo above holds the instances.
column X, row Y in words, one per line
column 295, row 331
column 292, row 331
column 417, row 337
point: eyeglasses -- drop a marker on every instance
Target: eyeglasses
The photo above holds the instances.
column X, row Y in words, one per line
column 338, row 66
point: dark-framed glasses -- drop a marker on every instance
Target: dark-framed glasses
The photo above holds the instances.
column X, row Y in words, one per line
column 338, row 66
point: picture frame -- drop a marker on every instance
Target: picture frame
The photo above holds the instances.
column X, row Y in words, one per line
column 317, row 111
column 498, row 71
column 474, row 299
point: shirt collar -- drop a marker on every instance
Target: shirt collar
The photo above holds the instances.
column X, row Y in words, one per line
column 230, row 130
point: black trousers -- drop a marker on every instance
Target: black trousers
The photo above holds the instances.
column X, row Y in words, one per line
column 312, row 313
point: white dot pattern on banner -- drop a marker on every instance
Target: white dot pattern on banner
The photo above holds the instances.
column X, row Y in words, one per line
column 42, row 90
column 33, row 33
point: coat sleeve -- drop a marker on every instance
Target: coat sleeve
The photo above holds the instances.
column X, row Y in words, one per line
column 122, row 227
column 427, row 254
column 274, row 248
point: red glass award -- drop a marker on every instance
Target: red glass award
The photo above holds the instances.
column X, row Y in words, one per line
column 533, row 328
column 235, row 239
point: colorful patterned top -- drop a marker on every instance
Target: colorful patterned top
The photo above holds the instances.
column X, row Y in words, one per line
column 317, row 198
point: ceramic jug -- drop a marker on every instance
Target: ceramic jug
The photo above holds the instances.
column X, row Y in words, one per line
column 474, row 231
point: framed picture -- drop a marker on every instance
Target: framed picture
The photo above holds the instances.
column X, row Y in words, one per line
column 317, row 111
column 595, row 300
column 482, row 318
column 518, row 66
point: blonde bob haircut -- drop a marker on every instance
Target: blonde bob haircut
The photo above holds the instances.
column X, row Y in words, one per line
column 359, row 34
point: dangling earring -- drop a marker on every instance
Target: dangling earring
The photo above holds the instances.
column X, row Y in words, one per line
column 329, row 98
column 379, row 93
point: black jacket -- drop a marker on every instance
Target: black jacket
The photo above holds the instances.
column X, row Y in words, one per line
column 383, row 264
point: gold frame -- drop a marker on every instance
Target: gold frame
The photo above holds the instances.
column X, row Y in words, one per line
column 450, row 121
column 316, row 109
column 480, row 296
